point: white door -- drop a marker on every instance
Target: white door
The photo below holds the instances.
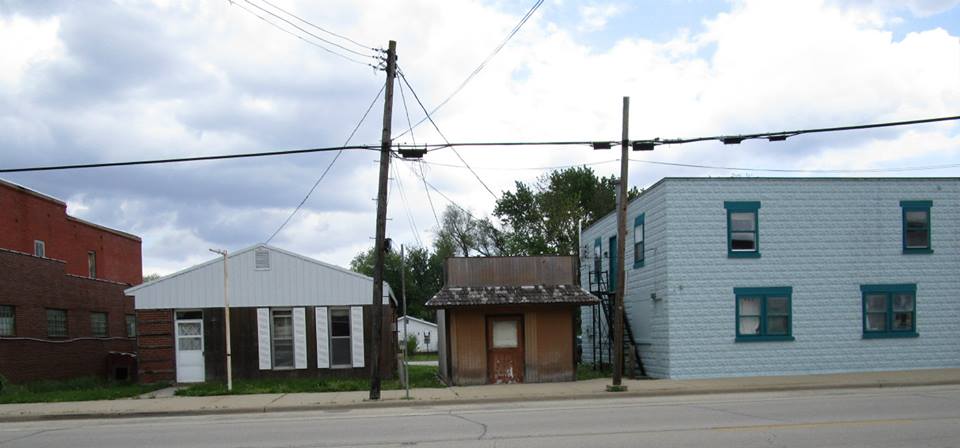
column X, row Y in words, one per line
column 190, row 347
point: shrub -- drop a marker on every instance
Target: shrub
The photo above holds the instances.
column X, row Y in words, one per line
column 411, row 345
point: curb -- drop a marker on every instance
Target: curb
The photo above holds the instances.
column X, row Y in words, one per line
column 680, row 391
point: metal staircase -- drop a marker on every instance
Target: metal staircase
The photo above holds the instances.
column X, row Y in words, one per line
column 602, row 317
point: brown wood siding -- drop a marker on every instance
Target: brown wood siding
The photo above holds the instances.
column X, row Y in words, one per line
column 246, row 360
column 548, row 343
column 511, row 271
column 468, row 346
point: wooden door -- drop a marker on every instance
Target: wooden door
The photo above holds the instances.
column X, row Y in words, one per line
column 505, row 349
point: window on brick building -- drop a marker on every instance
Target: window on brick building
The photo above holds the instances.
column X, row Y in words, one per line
column 92, row 264
column 57, row 323
column 98, row 325
column 7, row 321
column 131, row 325
column 39, row 248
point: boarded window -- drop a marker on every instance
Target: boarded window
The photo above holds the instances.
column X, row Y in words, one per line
column 92, row 264
column 340, row 337
column 7, row 321
column 131, row 325
column 262, row 258
column 282, row 338
column 57, row 323
column 98, row 325
column 505, row 333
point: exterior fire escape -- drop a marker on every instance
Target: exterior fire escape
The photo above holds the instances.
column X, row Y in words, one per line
column 602, row 326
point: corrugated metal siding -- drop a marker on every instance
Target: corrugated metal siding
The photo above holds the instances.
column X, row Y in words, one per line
column 647, row 317
column 823, row 237
column 292, row 280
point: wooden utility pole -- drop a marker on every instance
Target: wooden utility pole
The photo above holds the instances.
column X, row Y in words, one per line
column 621, row 246
column 379, row 251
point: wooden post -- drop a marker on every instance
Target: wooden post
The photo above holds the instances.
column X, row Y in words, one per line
column 621, row 245
column 379, row 251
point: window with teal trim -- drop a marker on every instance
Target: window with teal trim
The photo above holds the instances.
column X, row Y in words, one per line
column 764, row 314
column 743, row 229
column 597, row 259
column 916, row 227
column 638, row 241
column 889, row 311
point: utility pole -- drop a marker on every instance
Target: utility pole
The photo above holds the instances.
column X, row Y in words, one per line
column 226, row 320
column 403, row 295
column 379, row 249
column 621, row 246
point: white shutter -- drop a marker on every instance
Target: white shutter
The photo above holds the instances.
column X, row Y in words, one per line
column 263, row 337
column 299, row 338
column 356, row 335
column 323, row 338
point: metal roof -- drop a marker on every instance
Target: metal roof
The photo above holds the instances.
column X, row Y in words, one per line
column 454, row 296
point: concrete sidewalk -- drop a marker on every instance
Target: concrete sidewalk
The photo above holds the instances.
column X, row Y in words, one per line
column 178, row 406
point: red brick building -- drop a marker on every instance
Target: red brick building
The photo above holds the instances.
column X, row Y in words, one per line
column 62, row 306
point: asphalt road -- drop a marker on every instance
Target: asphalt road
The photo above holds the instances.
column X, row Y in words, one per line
column 915, row 417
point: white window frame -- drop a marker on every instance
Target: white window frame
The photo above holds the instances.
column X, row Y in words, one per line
column 13, row 320
column 39, row 248
column 130, row 323
column 92, row 264
column 273, row 339
column 330, row 312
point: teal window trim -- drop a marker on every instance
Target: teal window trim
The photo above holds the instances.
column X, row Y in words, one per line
column 889, row 291
column 749, row 207
column 763, row 293
column 917, row 206
column 639, row 249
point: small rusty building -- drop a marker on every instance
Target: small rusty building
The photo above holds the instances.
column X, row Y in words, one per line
column 508, row 319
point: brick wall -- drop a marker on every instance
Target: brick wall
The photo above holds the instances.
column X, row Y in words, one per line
column 26, row 216
column 32, row 285
column 156, row 346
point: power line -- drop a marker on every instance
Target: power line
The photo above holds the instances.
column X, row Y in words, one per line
column 417, row 97
column 429, row 198
column 309, row 33
column 367, row 47
column 406, row 206
column 406, row 111
column 477, row 144
column 187, row 159
column 712, row 167
column 451, row 201
column 327, row 169
column 315, row 44
column 480, row 67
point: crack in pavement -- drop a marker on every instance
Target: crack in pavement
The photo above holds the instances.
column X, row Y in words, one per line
column 27, row 436
column 739, row 414
column 482, row 425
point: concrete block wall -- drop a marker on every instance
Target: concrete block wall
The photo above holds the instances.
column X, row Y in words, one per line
column 824, row 238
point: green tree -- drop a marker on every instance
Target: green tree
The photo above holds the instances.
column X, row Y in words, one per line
column 541, row 218
column 467, row 235
column 424, row 276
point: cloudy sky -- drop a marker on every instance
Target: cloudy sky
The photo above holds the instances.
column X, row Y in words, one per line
column 96, row 81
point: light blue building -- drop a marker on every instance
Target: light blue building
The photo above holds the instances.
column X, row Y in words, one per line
column 781, row 276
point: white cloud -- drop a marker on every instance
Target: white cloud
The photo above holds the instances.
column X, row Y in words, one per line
column 594, row 17
column 24, row 42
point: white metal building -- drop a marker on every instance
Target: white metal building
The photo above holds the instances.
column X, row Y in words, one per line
column 425, row 332
column 291, row 315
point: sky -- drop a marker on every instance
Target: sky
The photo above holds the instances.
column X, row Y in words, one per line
column 85, row 82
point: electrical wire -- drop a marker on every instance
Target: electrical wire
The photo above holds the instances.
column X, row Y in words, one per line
column 483, row 64
column 330, row 165
column 309, row 33
column 451, row 201
column 366, row 47
column 437, row 128
column 315, row 44
column 406, row 205
column 406, row 111
column 429, row 198
column 187, row 159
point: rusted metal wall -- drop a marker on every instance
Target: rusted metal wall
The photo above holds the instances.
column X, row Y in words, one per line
column 548, row 342
column 511, row 271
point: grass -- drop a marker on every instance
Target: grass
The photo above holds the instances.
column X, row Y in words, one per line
column 420, row 376
column 79, row 389
column 586, row 372
column 424, row 357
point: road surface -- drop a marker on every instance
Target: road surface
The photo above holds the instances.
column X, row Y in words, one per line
column 916, row 417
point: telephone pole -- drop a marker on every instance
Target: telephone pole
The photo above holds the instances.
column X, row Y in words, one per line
column 621, row 246
column 379, row 249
